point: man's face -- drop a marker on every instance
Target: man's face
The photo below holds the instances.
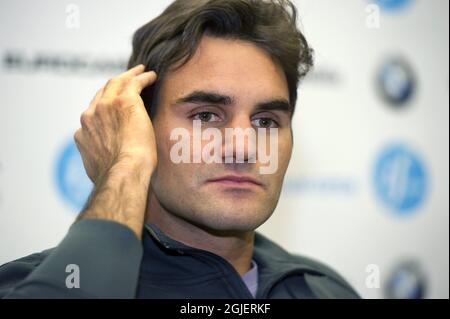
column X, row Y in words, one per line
column 226, row 84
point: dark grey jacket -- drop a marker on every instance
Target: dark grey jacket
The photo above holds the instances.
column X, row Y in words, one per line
column 113, row 263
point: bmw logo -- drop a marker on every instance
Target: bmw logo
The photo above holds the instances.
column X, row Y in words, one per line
column 407, row 281
column 72, row 182
column 400, row 179
column 396, row 82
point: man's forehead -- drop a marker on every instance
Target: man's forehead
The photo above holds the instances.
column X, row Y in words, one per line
column 231, row 67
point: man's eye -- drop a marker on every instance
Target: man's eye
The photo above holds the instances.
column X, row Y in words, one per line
column 264, row 123
column 206, row 117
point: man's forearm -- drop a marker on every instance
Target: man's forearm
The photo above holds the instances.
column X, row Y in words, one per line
column 121, row 196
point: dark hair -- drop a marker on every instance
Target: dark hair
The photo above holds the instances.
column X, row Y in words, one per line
column 170, row 40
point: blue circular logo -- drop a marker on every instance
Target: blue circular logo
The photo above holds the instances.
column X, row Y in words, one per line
column 396, row 82
column 400, row 179
column 407, row 281
column 393, row 5
column 72, row 181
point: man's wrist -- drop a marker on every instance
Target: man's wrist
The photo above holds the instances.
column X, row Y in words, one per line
column 136, row 169
column 121, row 195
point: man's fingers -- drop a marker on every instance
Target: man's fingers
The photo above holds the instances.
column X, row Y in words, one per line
column 138, row 83
column 138, row 69
column 128, row 75
column 130, row 83
column 115, row 85
column 97, row 96
column 89, row 112
column 91, row 109
column 78, row 137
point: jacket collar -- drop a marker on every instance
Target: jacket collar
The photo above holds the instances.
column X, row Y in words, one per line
column 274, row 263
column 269, row 256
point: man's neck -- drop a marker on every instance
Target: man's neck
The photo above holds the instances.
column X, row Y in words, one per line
column 235, row 247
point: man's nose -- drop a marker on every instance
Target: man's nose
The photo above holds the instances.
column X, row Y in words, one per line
column 239, row 142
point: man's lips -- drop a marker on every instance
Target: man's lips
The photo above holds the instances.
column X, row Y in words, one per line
column 236, row 180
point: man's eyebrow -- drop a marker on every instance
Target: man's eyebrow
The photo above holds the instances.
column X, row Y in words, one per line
column 198, row 97
column 277, row 104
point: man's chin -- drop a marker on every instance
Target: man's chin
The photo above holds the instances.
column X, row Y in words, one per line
column 239, row 220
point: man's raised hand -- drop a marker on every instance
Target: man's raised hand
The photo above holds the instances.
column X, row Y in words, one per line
column 115, row 129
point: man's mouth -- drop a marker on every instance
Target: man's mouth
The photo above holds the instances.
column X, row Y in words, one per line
column 240, row 181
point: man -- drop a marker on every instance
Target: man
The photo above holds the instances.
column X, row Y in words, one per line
column 156, row 227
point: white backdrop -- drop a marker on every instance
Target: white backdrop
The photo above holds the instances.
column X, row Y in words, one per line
column 367, row 189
